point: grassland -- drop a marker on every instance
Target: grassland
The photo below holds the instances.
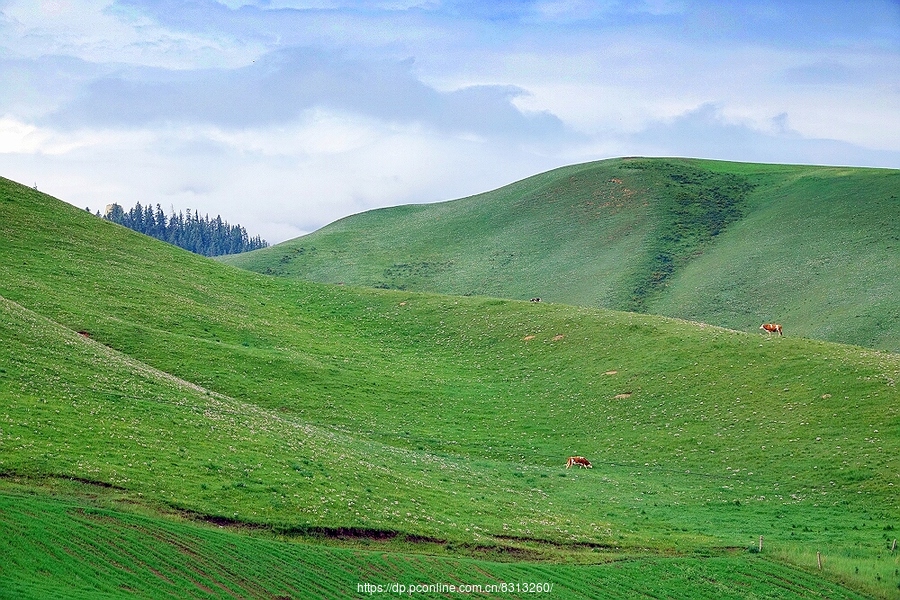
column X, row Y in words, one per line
column 85, row 549
column 172, row 425
column 731, row 244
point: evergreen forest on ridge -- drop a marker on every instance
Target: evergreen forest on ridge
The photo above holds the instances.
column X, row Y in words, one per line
column 200, row 235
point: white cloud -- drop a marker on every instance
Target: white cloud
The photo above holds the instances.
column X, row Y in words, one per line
column 317, row 132
column 99, row 31
column 708, row 132
column 283, row 115
column 18, row 137
column 278, row 182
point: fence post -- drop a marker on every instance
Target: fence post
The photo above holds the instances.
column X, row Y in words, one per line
column 819, row 559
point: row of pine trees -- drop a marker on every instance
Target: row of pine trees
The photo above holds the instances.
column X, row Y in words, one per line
column 201, row 235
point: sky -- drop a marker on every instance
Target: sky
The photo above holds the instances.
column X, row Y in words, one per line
column 286, row 115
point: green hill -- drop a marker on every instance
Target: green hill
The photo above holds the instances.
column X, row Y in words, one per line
column 732, row 244
column 173, row 426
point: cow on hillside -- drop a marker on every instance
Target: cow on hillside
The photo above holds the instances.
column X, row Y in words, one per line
column 771, row 328
column 580, row 461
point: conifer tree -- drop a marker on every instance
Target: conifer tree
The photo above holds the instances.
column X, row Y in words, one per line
column 187, row 230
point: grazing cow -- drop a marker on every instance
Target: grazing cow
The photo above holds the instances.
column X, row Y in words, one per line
column 535, row 299
column 580, row 461
column 771, row 328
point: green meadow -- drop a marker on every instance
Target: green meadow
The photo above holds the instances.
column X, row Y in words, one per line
column 730, row 244
column 174, row 426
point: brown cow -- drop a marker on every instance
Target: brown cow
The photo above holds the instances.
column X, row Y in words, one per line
column 580, row 461
column 771, row 328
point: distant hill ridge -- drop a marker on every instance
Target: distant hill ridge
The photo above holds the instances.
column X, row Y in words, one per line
column 732, row 244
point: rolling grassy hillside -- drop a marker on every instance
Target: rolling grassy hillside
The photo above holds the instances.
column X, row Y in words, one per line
column 172, row 425
column 732, row 244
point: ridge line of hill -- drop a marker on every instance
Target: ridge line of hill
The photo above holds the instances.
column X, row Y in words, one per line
column 733, row 244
